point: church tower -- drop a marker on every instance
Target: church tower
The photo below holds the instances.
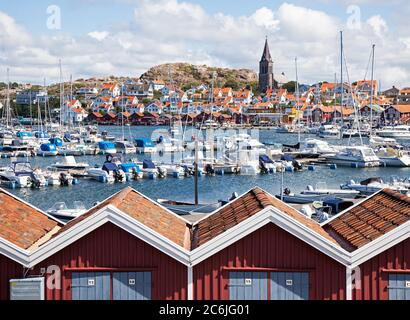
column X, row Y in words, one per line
column 266, row 80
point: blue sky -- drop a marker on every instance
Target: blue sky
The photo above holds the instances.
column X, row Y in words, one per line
column 87, row 15
column 126, row 37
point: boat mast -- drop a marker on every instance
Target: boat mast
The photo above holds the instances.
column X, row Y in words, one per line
column 297, row 96
column 334, row 104
column 122, row 111
column 61, row 95
column 341, row 83
column 8, row 99
column 45, row 105
column 196, row 171
column 371, row 92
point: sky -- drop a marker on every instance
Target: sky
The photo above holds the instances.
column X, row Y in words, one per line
column 127, row 37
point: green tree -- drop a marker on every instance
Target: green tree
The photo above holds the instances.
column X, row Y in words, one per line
column 232, row 83
column 290, row 86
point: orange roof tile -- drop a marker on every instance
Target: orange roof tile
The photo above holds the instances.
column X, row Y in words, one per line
column 243, row 208
column 370, row 219
column 22, row 224
column 145, row 211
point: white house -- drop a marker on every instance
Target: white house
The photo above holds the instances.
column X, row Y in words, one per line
column 102, row 104
column 139, row 90
column 157, row 85
column 87, row 91
column 110, row 90
column 125, row 101
column 154, row 107
column 73, row 112
column 136, row 108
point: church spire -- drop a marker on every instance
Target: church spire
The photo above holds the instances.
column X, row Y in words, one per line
column 266, row 52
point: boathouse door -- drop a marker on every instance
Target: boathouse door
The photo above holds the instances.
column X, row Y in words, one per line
column 399, row 286
column 248, row 285
column 90, row 285
column 272, row 285
column 289, row 286
column 132, row 285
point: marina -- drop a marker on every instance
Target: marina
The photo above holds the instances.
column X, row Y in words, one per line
column 160, row 150
column 212, row 188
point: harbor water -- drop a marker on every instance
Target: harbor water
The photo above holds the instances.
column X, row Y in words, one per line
column 211, row 188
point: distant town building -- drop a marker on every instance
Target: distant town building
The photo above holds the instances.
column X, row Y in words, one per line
column 404, row 96
column 28, row 97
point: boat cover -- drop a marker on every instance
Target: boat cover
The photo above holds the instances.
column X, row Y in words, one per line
column 106, row 145
column 265, row 159
column 56, row 141
column 108, row 166
column 21, row 134
column 48, row 147
column 128, row 167
column 144, row 142
column 287, row 157
column 148, row 164
column 370, row 180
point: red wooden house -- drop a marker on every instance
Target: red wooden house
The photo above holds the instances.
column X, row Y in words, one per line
column 255, row 247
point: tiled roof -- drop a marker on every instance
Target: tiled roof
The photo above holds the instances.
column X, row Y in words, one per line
column 145, row 211
column 402, row 108
column 370, row 219
column 22, row 224
column 243, row 208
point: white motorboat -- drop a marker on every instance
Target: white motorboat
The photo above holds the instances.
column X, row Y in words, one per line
column 398, row 132
column 21, row 175
column 372, row 185
column 380, row 142
column 320, row 147
column 329, row 131
column 322, row 189
column 173, row 170
column 145, row 145
column 125, row 147
column 47, row 150
column 56, row 178
column 393, row 158
column 69, row 163
column 355, row 156
column 251, row 168
column 60, row 211
column 100, row 175
column 77, row 150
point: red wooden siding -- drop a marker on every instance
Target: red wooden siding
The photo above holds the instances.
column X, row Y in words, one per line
column 375, row 272
column 9, row 269
column 111, row 247
column 270, row 247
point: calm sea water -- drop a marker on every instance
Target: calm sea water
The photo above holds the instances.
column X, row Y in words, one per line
column 211, row 188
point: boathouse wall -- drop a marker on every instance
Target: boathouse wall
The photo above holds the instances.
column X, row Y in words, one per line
column 9, row 269
column 110, row 249
column 267, row 250
column 376, row 272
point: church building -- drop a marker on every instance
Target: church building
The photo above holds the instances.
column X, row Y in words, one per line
column 266, row 78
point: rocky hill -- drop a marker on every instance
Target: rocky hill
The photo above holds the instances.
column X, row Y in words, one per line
column 185, row 74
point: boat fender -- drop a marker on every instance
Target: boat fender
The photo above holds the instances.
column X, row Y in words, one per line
column 333, row 166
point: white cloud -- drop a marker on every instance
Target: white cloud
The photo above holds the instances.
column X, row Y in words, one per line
column 176, row 30
column 98, row 35
column 378, row 25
